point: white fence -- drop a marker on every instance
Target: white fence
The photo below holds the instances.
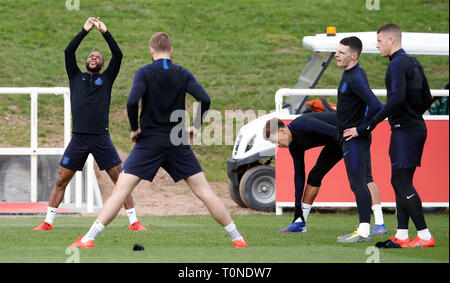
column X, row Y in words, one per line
column 93, row 195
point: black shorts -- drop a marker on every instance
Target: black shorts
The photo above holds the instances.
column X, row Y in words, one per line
column 406, row 148
column 144, row 161
column 100, row 146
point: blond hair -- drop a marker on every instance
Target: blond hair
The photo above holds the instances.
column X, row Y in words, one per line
column 160, row 42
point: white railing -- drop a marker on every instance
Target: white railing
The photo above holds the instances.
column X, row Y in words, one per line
column 92, row 189
column 284, row 92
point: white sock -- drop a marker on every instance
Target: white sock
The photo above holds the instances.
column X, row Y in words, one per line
column 131, row 215
column 51, row 213
column 402, row 234
column 233, row 231
column 378, row 214
column 424, row 234
column 306, row 208
column 364, row 229
column 95, row 230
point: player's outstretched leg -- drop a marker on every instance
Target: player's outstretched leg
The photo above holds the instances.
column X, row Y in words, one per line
column 125, row 185
column 56, row 197
column 200, row 187
column 135, row 224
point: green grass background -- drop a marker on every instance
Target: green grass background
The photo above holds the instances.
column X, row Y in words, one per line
column 240, row 51
column 198, row 238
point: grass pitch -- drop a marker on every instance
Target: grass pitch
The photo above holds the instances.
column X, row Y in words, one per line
column 199, row 239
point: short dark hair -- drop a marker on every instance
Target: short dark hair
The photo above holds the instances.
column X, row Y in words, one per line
column 392, row 29
column 354, row 43
column 272, row 127
column 389, row 28
column 161, row 42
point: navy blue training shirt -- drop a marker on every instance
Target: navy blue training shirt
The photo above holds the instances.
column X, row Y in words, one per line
column 162, row 86
column 354, row 96
column 90, row 94
column 313, row 129
column 408, row 94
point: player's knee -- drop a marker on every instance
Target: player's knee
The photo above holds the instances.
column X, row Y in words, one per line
column 205, row 194
column 396, row 183
column 62, row 181
column 357, row 185
column 315, row 182
column 315, row 178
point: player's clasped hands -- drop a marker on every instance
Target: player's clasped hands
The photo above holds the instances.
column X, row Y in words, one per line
column 91, row 22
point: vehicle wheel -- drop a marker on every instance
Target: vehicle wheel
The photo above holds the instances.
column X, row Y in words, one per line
column 257, row 188
column 234, row 193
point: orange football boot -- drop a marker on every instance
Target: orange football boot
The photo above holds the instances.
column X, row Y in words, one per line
column 137, row 226
column 240, row 243
column 421, row 243
column 44, row 226
column 79, row 244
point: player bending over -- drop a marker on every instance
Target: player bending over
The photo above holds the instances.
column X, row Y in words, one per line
column 305, row 132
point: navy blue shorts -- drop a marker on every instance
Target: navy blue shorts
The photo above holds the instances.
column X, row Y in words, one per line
column 406, row 148
column 100, row 146
column 144, row 161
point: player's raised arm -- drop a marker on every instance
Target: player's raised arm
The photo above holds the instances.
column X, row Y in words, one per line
column 71, row 60
column 117, row 55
